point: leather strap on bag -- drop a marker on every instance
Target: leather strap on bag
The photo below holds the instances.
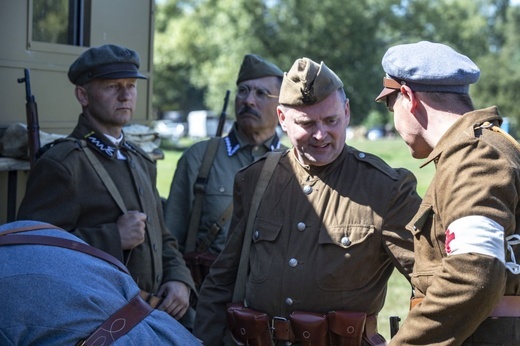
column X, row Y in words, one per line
column 271, row 161
column 120, row 322
column 199, row 190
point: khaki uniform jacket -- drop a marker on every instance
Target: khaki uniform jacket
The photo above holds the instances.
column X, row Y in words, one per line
column 64, row 189
column 477, row 173
column 325, row 238
column 232, row 154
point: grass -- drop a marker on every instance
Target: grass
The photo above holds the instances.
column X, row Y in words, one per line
column 396, row 154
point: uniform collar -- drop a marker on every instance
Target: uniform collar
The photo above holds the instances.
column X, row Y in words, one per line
column 235, row 141
column 98, row 141
column 465, row 123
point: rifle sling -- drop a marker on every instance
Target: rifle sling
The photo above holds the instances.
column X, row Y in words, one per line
column 105, row 177
column 200, row 190
column 205, row 242
column 271, row 161
column 107, row 181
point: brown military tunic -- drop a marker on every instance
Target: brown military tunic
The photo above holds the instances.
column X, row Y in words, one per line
column 477, row 174
column 325, row 238
column 64, row 189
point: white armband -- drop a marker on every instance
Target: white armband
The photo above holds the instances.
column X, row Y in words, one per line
column 476, row 234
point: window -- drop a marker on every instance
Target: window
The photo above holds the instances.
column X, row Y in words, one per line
column 65, row 22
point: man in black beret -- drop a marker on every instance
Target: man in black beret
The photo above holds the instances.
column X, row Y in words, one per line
column 466, row 275
column 309, row 262
column 199, row 206
column 102, row 188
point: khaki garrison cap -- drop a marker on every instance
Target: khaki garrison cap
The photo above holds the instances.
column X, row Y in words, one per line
column 105, row 62
column 254, row 66
column 308, row 83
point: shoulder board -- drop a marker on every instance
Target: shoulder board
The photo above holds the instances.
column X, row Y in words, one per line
column 137, row 149
column 374, row 161
column 76, row 145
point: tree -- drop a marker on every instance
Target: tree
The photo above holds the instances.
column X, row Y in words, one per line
column 201, row 43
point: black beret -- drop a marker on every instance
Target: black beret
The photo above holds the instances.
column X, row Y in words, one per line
column 106, row 62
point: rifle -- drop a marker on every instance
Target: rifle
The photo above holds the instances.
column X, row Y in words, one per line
column 31, row 111
column 394, row 325
column 222, row 117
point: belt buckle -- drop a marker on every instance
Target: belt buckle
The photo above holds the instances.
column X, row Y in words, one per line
column 283, row 331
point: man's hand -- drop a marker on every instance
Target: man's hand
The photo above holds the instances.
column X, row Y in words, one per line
column 176, row 298
column 131, row 227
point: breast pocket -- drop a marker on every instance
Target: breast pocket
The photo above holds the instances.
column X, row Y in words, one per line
column 347, row 256
column 428, row 246
column 263, row 249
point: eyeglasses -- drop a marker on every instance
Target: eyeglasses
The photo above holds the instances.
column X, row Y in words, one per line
column 260, row 94
column 390, row 103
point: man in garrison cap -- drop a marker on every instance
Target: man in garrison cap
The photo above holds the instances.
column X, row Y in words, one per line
column 102, row 188
column 326, row 236
column 466, row 279
column 199, row 207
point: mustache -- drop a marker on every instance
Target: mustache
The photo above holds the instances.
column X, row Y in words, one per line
column 249, row 110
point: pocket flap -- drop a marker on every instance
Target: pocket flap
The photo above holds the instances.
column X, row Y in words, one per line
column 346, row 236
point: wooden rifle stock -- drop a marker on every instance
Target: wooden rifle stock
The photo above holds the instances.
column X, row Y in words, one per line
column 31, row 110
column 222, row 118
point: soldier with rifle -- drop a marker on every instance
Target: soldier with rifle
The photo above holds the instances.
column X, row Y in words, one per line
column 101, row 187
column 199, row 206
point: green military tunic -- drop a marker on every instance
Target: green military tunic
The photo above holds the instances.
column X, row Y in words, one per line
column 232, row 154
column 477, row 174
column 325, row 238
column 65, row 190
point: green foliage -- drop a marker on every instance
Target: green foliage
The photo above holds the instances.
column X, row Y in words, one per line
column 199, row 44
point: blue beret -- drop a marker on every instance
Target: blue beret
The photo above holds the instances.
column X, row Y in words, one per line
column 106, row 62
column 427, row 66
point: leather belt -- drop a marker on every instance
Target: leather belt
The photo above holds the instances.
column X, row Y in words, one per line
column 282, row 331
column 509, row 306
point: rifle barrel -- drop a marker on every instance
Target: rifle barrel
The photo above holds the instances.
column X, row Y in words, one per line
column 222, row 118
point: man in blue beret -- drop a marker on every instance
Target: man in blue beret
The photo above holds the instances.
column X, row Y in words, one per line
column 54, row 295
column 466, row 233
column 102, row 188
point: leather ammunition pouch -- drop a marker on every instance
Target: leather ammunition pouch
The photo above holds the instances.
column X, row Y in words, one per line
column 310, row 328
column 336, row 328
column 346, row 328
column 248, row 327
column 199, row 264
